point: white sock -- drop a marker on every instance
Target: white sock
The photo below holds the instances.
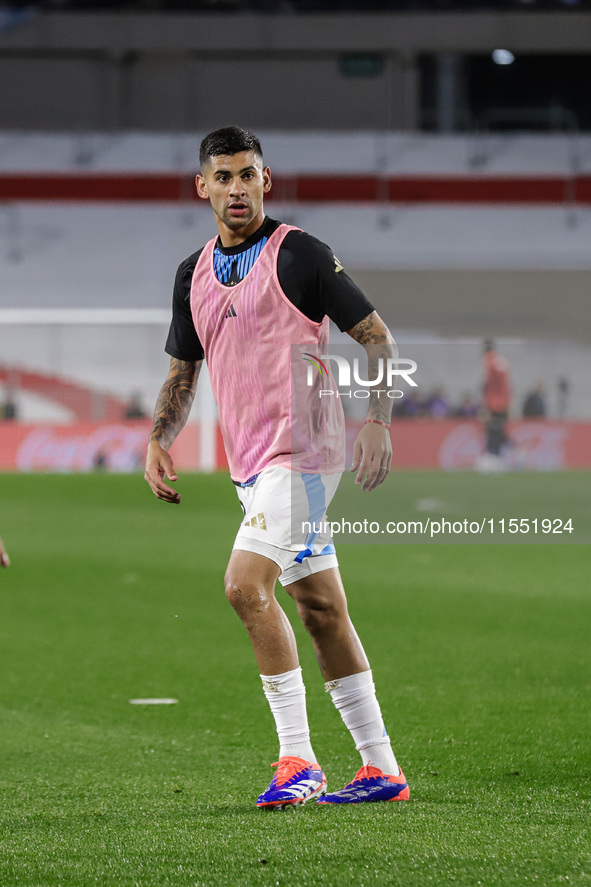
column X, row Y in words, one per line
column 286, row 695
column 355, row 698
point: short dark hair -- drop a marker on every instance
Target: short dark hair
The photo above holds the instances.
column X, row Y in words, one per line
column 228, row 140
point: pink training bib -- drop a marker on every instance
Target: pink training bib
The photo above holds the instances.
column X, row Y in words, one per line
column 247, row 332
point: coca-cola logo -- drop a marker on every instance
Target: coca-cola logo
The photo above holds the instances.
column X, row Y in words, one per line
column 543, row 446
column 116, row 447
column 461, row 447
column 537, row 446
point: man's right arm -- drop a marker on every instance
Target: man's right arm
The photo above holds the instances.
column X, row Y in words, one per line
column 172, row 411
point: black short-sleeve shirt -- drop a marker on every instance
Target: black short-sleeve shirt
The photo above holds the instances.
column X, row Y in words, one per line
column 309, row 273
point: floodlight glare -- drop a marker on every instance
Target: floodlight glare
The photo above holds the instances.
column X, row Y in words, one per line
column 502, row 57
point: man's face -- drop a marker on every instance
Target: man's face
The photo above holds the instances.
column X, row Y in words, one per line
column 235, row 185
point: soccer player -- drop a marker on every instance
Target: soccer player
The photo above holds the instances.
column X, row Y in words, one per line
column 240, row 302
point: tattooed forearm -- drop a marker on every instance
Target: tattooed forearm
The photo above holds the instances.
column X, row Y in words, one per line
column 371, row 331
column 175, row 400
column 376, row 338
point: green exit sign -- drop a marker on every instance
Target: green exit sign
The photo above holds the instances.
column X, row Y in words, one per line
column 361, row 64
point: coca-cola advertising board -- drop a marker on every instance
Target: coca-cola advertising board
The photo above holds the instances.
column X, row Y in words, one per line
column 452, row 445
column 87, row 446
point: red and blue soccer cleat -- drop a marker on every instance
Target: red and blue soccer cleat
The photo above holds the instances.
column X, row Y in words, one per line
column 370, row 784
column 295, row 782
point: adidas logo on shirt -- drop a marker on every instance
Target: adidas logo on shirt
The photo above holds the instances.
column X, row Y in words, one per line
column 231, row 312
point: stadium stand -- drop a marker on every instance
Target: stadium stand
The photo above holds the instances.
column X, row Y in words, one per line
column 458, row 232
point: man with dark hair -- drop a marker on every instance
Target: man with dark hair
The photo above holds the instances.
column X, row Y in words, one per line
column 229, row 140
column 241, row 303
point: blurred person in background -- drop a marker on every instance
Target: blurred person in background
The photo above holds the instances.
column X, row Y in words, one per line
column 411, row 406
column 135, row 408
column 437, row 404
column 9, row 406
column 496, row 402
column 563, row 386
column 467, row 408
column 534, row 403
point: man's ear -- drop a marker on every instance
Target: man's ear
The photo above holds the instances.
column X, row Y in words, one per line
column 201, row 187
column 267, row 183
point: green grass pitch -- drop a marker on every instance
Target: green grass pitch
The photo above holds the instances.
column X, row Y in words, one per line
column 480, row 655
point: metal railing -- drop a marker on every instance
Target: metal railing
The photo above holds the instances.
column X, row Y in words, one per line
column 486, row 139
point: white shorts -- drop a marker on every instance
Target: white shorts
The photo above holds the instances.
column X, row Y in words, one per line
column 283, row 511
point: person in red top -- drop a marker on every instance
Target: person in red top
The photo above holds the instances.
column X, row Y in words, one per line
column 497, row 398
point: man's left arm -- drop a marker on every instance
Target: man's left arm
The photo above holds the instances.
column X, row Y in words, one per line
column 372, row 451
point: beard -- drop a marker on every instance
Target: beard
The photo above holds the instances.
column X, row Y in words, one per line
column 235, row 223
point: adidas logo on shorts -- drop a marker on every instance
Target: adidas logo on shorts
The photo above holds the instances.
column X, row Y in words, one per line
column 257, row 521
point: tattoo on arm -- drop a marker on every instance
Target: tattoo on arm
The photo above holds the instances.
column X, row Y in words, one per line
column 371, row 331
column 175, row 400
column 376, row 338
